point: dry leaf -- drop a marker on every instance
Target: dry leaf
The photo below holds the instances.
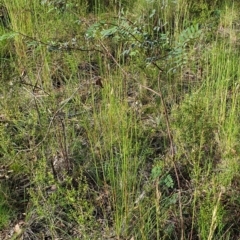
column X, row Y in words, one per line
column 17, row 229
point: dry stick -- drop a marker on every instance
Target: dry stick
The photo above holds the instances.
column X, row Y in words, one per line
column 172, row 152
column 115, row 61
column 113, row 58
column 54, row 116
column 51, row 122
column 65, row 146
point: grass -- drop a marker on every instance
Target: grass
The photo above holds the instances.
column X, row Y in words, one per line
column 5, row 211
column 120, row 125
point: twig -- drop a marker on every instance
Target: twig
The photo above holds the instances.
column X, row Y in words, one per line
column 51, row 122
column 172, row 152
column 50, row 45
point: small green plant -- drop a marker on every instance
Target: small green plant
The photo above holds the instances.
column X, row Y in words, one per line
column 67, row 206
column 164, row 179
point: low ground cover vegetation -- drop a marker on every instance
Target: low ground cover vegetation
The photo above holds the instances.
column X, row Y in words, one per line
column 119, row 120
